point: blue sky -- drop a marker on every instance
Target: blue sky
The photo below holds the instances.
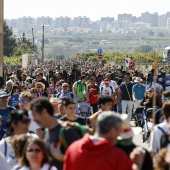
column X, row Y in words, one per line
column 94, row 9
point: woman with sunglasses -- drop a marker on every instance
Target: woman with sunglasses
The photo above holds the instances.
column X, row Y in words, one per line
column 34, row 93
column 35, row 156
column 148, row 101
column 18, row 123
column 13, row 99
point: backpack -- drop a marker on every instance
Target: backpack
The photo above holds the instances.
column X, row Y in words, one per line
column 72, row 131
column 71, row 93
column 111, row 89
column 165, row 138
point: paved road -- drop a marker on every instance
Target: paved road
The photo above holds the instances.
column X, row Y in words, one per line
column 138, row 139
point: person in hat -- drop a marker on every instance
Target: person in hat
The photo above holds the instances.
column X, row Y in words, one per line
column 125, row 142
column 106, row 89
column 138, row 92
column 4, row 110
column 41, row 89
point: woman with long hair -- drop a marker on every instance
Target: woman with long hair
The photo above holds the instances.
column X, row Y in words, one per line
column 35, row 156
column 13, row 99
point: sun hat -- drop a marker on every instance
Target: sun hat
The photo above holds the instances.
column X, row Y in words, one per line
column 41, row 84
column 137, row 79
column 127, row 130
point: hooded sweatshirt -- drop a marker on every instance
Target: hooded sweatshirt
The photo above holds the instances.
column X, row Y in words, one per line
column 84, row 154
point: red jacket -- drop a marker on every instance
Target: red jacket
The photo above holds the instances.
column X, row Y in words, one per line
column 86, row 155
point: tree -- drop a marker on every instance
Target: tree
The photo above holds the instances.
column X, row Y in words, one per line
column 144, row 49
column 9, row 40
column 161, row 34
column 24, row 46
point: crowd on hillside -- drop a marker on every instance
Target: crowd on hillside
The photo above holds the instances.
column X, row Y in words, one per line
column 80, row 115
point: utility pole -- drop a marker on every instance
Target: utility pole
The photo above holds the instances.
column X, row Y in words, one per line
column 33, row 43
column 1, row 36
column 42, row 48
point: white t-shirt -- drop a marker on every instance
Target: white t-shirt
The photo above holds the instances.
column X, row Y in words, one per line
column 112, row 83
column 33, row 125
column 156, row 134
column 127, row 61
column 3, row 162
column 107, row 91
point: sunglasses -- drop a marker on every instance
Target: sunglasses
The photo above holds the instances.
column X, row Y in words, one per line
column 23, row 101
column 34, row 92
column 58, row 85
column 65, row 86
column 164, row 98
column 34, row 150
column 150, row 91
column 25, row 121
column 39, row 87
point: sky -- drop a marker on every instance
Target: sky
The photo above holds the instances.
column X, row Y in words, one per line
column 95, row 9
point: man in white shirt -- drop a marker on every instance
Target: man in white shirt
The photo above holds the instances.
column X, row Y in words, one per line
column 106, row 89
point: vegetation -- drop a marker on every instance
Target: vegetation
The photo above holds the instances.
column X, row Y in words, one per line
column 9, row 41
column 16, row 47
column 15, row 60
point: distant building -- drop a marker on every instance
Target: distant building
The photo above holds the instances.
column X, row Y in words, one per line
column 44, row 21
column 124, row 17
column 145, row 17
column 168, row 22
column 25, row 23
column 162, row 20
column 107, row 19
column 62, row 22
column 81, row 21
column 154, row 19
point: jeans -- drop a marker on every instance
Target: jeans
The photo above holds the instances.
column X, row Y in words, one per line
column 127, row 104
column 119, row 107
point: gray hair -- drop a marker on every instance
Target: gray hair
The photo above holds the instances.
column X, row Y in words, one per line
column 106, row 121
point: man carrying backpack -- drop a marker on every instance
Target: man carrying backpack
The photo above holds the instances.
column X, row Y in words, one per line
column 80, row 88
column 65, row 92
column 160, row 130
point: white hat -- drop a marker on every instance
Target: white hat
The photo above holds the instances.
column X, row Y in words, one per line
column 138, row 79
column 127, row 130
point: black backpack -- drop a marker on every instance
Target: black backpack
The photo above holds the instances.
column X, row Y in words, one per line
column 165, row 138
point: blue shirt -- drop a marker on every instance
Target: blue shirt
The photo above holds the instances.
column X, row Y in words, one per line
column 4, row 113
column 139, row 91
column 68, row 95
column 126, row 92
column 14, row 100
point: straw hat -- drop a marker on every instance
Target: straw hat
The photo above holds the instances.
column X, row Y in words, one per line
column 138, row 79
column 127, row 130
column 41, row 84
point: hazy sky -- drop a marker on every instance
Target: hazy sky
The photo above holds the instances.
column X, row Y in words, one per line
column 94, row 9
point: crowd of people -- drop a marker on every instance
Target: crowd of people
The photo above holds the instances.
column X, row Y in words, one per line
column 70, row 115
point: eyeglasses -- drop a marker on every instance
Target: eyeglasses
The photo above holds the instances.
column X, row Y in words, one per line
column 164, row 98
column 34, row 150
column 150, row 91
column 58, row 85
column 25, row 121
column 23, row 101
column 65, row 86
column 39, row 87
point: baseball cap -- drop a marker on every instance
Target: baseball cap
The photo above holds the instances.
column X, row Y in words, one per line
column 3, row 94
column 106, row 80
